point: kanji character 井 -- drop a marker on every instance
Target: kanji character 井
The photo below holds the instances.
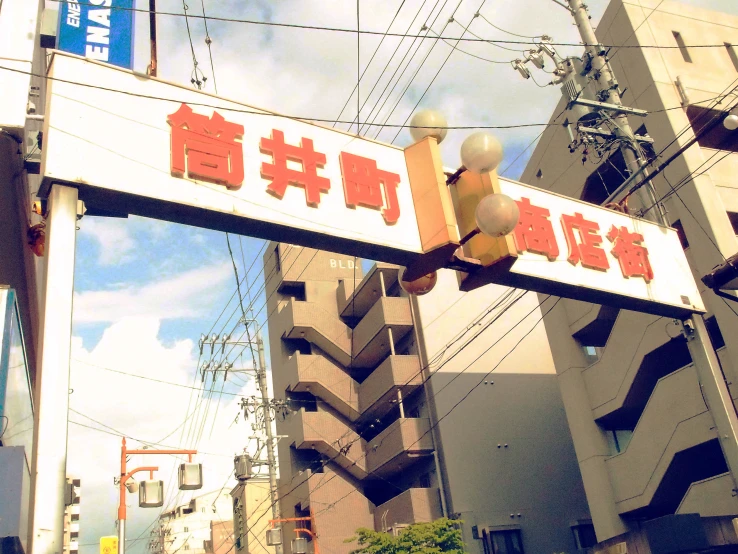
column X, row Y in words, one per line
column 586, row 249
column 363, row 184
column 206, row 148
column 534, row 232
column 282, row 175
column 631, row 253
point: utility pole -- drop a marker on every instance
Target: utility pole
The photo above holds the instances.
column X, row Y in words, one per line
column 267, row 414
column 609, row 92
column 263, row 407
column 704, row 358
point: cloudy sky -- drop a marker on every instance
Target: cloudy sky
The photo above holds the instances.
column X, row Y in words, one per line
column 146, row 290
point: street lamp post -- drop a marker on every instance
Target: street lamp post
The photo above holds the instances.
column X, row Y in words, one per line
column 125, row 475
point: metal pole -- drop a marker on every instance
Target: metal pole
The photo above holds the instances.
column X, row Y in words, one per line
column 715, row 391
column 122, row 500
column 606, row 81
column 267, row 411
column 700, row 348
column 48, row 476
column 121, row 536
column 152, row 33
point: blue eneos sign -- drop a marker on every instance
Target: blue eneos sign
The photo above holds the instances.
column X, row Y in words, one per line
column 98, row 29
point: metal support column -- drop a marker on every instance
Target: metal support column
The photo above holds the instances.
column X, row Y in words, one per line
column 715, row 391
column 49, row 467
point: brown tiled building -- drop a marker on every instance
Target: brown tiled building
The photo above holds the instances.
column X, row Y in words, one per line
column 358, row 451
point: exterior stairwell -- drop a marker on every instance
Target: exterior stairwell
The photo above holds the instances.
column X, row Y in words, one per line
column 621, row 382
column 674, row 421
column 372, row 398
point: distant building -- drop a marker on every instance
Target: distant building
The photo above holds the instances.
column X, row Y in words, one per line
column 71, row 518
column 648, row 451
column 252, row 511
column 188, row 527
column 360, row 447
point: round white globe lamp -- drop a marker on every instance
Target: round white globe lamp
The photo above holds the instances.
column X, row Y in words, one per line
column 428, row 123
column 497, row 215
column 422, row 285
column 481, row 152
column 731, row 122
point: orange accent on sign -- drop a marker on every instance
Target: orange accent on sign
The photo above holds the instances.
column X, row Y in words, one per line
column 631, row 253
column 206, row 148
column 281, row 175
column 586, row 249
column 534, row 232
column 363, row 184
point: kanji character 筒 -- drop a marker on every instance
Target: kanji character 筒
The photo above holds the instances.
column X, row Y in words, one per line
column 206, row 148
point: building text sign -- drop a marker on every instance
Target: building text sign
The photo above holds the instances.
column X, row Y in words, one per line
column 571, row 248
column 98, row 29
column 174, row 153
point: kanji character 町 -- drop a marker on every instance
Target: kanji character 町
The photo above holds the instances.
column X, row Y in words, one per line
column 363, row 184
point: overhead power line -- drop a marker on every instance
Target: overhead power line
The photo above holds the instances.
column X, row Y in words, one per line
column 381, row 33
column 256, row 112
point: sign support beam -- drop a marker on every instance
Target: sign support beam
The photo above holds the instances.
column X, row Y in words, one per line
column 715, row 390
column 48, row 475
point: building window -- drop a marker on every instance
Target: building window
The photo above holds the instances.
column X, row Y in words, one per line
column 592, row 353
column 681, row 234
column 733, row 55
column 277, row 263
column 539, row 174
column 682, row 47
column 718, row 137
column 425, row 481
column 584, row 536
column 186, row 546
column 187, row 529
column 503, row 542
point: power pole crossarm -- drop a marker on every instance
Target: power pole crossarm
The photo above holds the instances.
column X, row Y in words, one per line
column 609, row 92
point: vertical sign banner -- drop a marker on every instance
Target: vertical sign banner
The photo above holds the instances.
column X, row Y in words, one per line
column 98, row 29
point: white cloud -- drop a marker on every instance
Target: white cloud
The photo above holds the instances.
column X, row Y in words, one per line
column 187, row 295
column 114, row 239
column 146, row 410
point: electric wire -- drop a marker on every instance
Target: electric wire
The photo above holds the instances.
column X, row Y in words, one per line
column 256, row 112
column 389, row 61
column 402, row 67
column 505, row 30
column 420, row 66
column 380, row 33
column 397, row 13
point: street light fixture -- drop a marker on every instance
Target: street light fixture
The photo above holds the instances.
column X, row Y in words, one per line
column 151, row 491
column 428, row 123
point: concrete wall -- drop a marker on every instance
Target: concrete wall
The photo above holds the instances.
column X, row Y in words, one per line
column 507, row 453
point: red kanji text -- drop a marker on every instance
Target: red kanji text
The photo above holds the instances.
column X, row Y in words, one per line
column 631, row 254
column 587, row 248
column 534, row 232
column 363, row 184
column 282, row 175
column 206, row 148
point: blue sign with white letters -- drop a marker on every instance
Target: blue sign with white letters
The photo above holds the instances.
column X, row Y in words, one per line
column 98, row 29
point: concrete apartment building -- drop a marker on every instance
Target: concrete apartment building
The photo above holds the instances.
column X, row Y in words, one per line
column 644, row 438
column 359, row 448
column 188, row 528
